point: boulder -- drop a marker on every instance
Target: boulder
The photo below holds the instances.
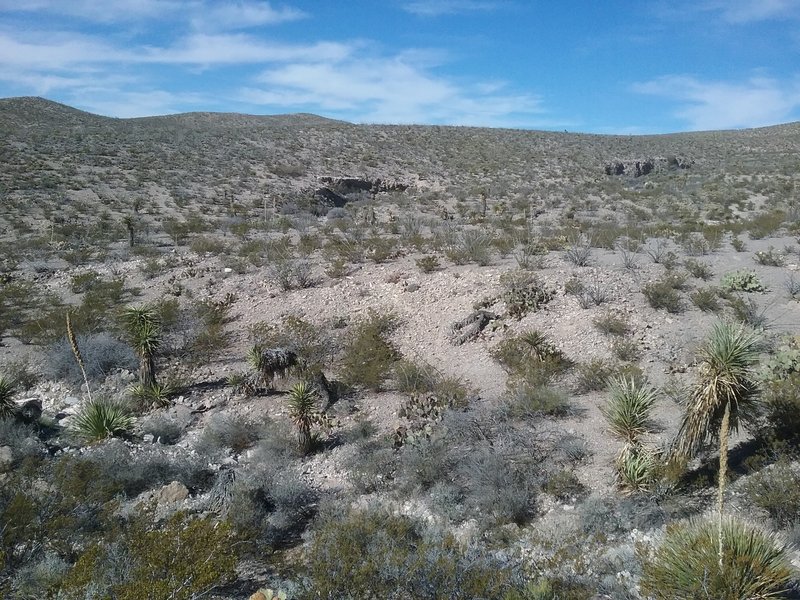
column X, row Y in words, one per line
column 172, row 493
column 6, row 458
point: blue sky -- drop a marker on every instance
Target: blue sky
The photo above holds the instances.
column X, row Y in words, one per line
column 580, row 65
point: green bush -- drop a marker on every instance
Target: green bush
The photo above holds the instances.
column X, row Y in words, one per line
column 531, row 353
column 769, row 258
column 706, row 299
column 611, row 324
column 593, row 376
column 626, row 350
column 663, row 295
column 525, row 400
column 687, row 565
column 777, row 491
column 181, row 559
column 380, row 555
column 742, row 281
column 369, row 356
column 698, row 269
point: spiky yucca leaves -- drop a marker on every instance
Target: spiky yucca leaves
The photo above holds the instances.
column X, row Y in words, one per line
column 686, row 566
column 303, row 411
column 726, row 381
column 637, row 468
column 143, row 329
column 628, row 409
column 158, row 394
column 7, row 405
column 271, row 362
column 101, row 418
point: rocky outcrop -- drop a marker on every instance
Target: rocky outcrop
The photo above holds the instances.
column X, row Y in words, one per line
column 351, row 185
column 642, row 167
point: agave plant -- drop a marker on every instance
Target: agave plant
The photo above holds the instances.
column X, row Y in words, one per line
column 7, row 389
column 628, row 409
column 101, row 418
column 754, row 565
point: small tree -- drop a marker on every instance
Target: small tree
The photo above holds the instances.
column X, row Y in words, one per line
column 143, row 328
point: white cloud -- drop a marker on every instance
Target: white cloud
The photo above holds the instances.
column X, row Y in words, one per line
column 390, row 90
column 435, row 8
column 748, row 11
column 704, row 105
column 239, row 15
column 109, row 11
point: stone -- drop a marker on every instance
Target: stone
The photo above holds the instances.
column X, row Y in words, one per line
column 172, row 493
column 6, row 458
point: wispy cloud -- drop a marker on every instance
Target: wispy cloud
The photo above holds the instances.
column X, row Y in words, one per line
column 749, row 11
column 241, row 15
column 390, row 90
column 435, row 8
column 705, row 105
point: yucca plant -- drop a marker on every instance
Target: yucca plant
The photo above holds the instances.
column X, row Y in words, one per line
column 303, row 411
column 7, row 389
column 724, row 395
column 628, row 409
column 143, row 328
column 101, row 418
column 686, row 566
column 637, row 468
column 158, row 394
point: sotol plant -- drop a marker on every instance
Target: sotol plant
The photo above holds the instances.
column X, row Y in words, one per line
column 7, row 405
column 303, row 412
column 99, row 419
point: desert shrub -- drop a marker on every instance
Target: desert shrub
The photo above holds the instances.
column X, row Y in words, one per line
column 663, row 295
column 373, row 554
column 22, row 372
column 611, row 324
column 531, row 351
column 574, row 286
column 183, row 558
column 697, row 269
column 523, row 291
column 292, row 274
column 769, row 258
column 204, row 244
column 101, row 418
column 158, row 394
column 765, row 224
column 781, row 408
column 687, row 565
column 228, row 433
column 579, row 252
column 427, row 462
column 101, row 353
column 415, row 377
column 696, row 244
column 21, row 438
column 470, row 246
column 747, row 311
column 428, row 264
column 564, row 485
column 163, row 428
column 525, row 400
column 40, row 578
column 776, row 490
column 706, row 299
column 792, row 285
column 272, row 504
column 626, row 350
column 742, row 281
column 738, row 244
column 593, row 294
column 593, row 376
column 313, row 344
column 369, row 356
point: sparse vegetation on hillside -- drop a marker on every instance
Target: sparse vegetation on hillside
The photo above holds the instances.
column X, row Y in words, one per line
column 385, row 361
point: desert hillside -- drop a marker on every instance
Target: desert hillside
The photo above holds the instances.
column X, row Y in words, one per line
column 373, row 361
